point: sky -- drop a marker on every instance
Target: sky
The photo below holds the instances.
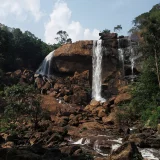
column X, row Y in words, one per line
column 81, row 19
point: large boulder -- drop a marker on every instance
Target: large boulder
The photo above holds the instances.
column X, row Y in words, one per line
column 77, row 56
column 128, row 151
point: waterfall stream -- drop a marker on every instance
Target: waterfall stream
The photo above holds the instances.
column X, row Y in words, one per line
column 97, row 69
column 121, row 58
column 45, row 67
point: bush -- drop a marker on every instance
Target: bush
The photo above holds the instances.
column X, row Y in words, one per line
column 22, row 101
column 145, row 93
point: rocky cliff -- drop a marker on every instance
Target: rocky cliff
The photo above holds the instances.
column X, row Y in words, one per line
column 77, row 57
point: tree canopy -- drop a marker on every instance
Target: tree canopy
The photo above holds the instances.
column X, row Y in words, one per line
column 118, row 28
column 63, row 37
column 18, row 49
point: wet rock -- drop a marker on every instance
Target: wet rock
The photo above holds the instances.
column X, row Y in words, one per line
column 145, row 140
column 94, row 103
column 39, row 82
column 127, row 151
column 138, row 139
column 153, row 142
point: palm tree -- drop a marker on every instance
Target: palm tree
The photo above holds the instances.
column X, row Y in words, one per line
column 118, row 28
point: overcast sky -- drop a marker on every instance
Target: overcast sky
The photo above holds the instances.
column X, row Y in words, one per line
column 82, row 19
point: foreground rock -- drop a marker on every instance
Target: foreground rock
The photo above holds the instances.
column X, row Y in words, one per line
column 128, row 151
column 36, row 152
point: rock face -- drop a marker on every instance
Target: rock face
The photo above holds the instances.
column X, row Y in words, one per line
column 77, row 56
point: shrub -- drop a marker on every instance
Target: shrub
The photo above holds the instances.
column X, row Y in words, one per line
column 22, row 101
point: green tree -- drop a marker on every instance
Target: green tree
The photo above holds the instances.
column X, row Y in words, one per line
column 106, row 31
column 118, row 28
column 24, row 48
column 148, row 24
column 23, row 100
column 145, row 91
column 63, row 37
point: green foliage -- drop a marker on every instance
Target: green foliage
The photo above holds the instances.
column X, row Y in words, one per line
column 118, row 28
column 146, row 90
column 145, row 93
column 18, row 49
column 63, row 37
column 106, row 31
column 22, row 101
column 151, row 117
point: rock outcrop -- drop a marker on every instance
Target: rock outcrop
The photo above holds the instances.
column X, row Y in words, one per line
column 128, row 151
column 77, row 57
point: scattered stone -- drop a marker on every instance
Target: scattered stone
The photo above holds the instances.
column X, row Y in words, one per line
column 94, row 103
column 8, row 144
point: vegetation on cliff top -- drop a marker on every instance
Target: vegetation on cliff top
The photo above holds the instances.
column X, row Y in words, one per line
column 145, row 103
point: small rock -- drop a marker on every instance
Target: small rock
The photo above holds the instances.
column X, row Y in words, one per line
column 94, row 103
column 8, row 144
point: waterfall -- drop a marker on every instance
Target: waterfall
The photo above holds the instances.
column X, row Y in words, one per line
column 45, row 67
column 121, row 58
column 97, row 69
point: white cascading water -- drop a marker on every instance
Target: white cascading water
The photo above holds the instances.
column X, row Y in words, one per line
column 132, row 66
column 132, row 58
column 121, row 58
column 45, row 67
column 97, row 69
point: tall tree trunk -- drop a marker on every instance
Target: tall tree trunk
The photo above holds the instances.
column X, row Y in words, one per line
column 157, row 68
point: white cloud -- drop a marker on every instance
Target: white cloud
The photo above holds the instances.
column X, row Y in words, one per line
column 21, row 9
column 60, row 19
